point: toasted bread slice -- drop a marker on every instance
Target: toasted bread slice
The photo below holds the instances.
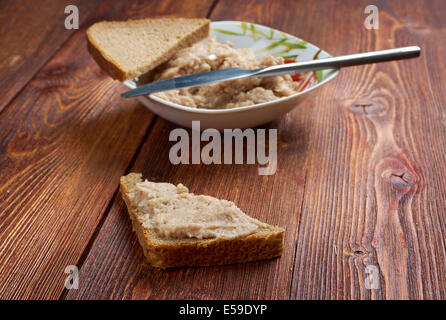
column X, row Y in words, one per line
column 190, row 245
column 128, row 49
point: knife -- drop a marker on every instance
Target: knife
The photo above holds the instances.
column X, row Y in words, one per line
column 199, row 79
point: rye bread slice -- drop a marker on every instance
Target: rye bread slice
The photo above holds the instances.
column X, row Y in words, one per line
column 128, row 49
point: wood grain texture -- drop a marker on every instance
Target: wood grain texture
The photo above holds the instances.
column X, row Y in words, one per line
column 374, row 194
column 65, row 141
column 274, row 199
column 117, row 250
column 360, row 183
column 30, row 34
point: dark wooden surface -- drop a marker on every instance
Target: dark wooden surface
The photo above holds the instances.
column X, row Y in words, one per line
column 30, row 34
column 361, row 165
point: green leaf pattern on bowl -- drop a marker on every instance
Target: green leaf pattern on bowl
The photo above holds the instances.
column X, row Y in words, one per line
column 274, row 42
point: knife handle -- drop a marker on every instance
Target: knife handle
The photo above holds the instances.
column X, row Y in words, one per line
column 342, row 61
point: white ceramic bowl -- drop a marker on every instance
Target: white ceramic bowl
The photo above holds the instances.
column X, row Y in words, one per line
column 264, row 41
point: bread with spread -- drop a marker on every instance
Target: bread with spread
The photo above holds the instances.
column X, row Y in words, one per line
column 177, row 228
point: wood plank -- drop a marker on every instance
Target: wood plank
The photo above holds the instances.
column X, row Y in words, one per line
column 30, row 33
column 65, row 141
column 375, row 193
column 115, row 267
column 116, row 248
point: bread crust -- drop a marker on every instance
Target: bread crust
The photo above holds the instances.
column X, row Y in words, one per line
column 111, row 67
column 266, row 244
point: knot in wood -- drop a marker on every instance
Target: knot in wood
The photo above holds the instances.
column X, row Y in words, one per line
column 399, row 178
column 364, row 106
column 55, row 70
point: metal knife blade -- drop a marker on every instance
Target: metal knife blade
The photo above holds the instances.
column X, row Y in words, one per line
column 190, row 81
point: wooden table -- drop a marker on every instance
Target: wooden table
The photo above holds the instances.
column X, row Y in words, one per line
column 360, row 185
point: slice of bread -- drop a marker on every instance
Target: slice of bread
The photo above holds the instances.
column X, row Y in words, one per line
column 181, row 247
column 128, row 49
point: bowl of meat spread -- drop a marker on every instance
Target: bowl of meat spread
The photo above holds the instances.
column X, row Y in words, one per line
column 239, row 103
